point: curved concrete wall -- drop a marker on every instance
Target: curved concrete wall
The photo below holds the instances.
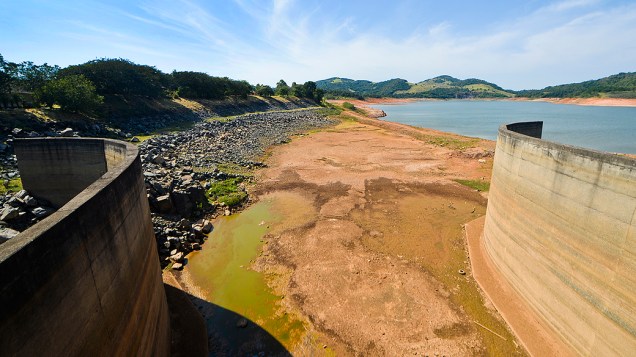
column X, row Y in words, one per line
column 86, row 280
column 561, row 227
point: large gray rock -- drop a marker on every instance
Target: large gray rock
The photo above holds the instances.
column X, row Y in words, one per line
column 7, row 233
column 30, row 201
column 41, row 212
column 182, row 203
column 164, row 204
column 9, row 213
column 67, row 133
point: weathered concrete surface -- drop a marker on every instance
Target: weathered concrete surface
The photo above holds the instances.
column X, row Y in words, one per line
column 561, row 227
column 57, row 172
column 86, row 280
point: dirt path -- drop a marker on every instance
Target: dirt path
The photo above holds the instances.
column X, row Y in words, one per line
column 381, row 266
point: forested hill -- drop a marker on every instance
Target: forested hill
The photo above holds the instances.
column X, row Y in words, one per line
column 443, row 87
column 622, row 85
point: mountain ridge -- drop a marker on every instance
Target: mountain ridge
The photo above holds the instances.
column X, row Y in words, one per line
column 621, row 85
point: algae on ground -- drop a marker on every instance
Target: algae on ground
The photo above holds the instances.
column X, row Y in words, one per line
column 222, row 270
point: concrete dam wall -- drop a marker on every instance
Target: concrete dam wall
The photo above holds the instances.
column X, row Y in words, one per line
column 86, row 280
column 561, row 228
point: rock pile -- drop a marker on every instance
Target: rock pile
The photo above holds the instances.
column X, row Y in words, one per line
column 179, row 168
column 20, row 211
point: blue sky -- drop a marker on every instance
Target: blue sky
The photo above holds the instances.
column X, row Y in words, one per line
column 516, row 44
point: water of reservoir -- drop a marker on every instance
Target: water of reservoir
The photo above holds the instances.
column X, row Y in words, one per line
column 610, row 129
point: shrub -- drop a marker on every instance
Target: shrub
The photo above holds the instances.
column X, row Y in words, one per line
column 348, row 106
column 227, row 192
column 72, row 93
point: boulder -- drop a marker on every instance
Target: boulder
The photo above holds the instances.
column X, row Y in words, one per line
column 206, row 227
column 7, row 233
column 9, row 213
column 67, row 133
column 182, row 203
column 164, row 204
column 158, row 159
column 41, row 212
column 30, row 201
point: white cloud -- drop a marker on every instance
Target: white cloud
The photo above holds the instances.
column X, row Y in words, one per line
column 564, row 42
column 539, row 49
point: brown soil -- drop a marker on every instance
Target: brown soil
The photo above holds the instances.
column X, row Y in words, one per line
column 376, row 270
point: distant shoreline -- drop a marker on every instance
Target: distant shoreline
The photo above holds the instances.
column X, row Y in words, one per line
column 597, row 102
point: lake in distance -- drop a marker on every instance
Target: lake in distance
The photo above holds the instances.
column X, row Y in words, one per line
column 610, row 129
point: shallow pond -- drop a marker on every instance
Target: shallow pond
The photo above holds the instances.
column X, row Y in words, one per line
column 221, row 272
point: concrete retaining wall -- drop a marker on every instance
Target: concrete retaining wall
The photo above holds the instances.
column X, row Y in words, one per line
column 86, row 280
column 561, row 227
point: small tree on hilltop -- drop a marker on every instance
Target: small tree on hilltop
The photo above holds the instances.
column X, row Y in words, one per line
column 282, row 88
column 263, row 90
column 74, row 93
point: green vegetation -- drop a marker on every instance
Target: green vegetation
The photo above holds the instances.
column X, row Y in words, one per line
column 121, row 76
column 235, row 169
column 13, row 185
column 282, row 88
column 119, row 88
column 263, row 90
column 348, row 106
column 329, row 109
column 448, row 142
column 72, row 93
column 479, row 185
column 622, row 85
column 227, row 192
column 442, row 87
column 198, row 85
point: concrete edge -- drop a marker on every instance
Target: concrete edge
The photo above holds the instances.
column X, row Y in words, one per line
column 10, row 247
column 507, row 130
column 537, row 338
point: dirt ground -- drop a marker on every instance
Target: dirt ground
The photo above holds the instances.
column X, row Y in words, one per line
column 381, row 266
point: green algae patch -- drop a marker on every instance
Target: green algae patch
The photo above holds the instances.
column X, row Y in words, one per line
column 12, row 185
column 479, row 185
column 246, row 314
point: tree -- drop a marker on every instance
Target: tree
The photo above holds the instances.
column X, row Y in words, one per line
column 198, row 85
column 238, row 88
column 282, row 88
column 264, row 90
column 5, row 78
column 121, row 76
column 31, row 77
column 74, row 93
column 297, row 90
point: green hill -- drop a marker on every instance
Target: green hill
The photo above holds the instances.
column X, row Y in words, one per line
column 622, row 85
column 443, row 87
